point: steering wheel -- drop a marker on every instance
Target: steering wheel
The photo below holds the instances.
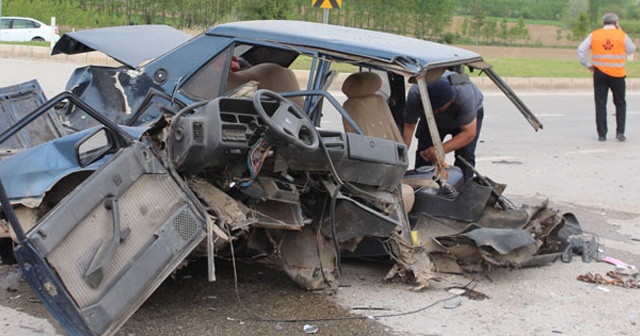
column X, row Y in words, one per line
column 288, row 122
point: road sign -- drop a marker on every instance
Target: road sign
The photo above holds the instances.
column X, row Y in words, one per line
column 327, row 3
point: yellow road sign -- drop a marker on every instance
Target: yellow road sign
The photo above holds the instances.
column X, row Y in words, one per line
column 327, row 3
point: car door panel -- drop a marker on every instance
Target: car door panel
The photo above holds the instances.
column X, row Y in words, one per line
column 113, row 240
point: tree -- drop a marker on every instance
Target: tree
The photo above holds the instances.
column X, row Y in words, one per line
column 439, row 16
column 264, row 9
column 478, row 19
column 580, row 27
column 464, row 30
column 594, row 13
column 503, row 31
column 490, row 30
column 520, row 31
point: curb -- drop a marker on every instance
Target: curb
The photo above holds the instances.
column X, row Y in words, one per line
column 518, row 84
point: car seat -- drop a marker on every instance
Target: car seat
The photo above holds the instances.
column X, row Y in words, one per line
column 368, row 108
column 370, row 112
column 269, row 76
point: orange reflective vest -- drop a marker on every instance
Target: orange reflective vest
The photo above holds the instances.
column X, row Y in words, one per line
column 608, row 51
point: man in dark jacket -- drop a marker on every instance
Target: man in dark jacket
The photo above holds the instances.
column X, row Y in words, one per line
column 458, row 112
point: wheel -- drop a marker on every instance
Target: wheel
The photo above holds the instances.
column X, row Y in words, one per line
column 37, row 39
column 288, row 122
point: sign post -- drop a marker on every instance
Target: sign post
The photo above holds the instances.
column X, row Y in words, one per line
column 53, row 30
column 326, row 4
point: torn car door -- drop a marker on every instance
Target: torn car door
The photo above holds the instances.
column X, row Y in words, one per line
column 16, row 101
column 101, row 252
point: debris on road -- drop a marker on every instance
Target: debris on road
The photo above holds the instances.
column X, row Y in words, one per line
column 615, row 278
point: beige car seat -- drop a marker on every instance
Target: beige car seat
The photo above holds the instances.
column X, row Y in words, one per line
column 371, row 113
column 269, row 76
column 368, row 108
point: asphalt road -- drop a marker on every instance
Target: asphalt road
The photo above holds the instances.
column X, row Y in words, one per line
column 564, row 163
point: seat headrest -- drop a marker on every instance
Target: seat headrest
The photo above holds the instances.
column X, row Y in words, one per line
column 361, row 84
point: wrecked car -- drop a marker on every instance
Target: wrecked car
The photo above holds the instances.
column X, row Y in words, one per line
column 211, row 146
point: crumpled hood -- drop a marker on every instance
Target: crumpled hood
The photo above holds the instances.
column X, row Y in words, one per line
column 129, row 45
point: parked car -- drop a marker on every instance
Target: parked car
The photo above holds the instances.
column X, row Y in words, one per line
column 209, row 146
column 22, row 29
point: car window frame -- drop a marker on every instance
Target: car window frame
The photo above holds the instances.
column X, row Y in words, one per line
column 192, row 86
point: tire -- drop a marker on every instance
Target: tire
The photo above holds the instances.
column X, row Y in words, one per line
column 37, row 39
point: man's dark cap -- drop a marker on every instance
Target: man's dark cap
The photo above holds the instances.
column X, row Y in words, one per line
column 440, row 93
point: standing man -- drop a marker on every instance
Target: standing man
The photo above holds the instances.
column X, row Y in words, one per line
column 609, row 46
column 458, row 111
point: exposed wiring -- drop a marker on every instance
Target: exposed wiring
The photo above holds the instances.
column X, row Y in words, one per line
column 255, row 159
column 345, row 318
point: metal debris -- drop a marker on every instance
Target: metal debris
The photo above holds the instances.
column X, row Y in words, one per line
column 616, row 279
column 456, row 290
column 475, row 295
column 310, row 329
column 368, row 308
column 452, row 303
column 469, row 293
column 581, row 244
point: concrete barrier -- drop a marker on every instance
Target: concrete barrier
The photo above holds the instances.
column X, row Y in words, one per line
column 518, row 84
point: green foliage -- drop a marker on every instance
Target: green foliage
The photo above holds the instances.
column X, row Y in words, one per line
column 528, row 9
column 465, row 27
column 265, row 10
column 520, row 31
column 529, row 67
column 486, row 21
column 439, row 15
column 478, row 17
column 580, row 27
column 503, row 31
column 594, row 13
column 632, row 28
column 490, row 30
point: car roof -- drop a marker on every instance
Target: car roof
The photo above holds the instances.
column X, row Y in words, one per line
column 407, row 54
column 131, row 45
column 21, row 17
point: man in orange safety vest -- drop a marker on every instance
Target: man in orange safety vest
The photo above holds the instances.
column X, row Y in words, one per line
column 609, row 48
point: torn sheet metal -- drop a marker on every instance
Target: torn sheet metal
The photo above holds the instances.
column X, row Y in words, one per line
column 309, row 259
column 412, row 262
column 504, row 241
column 18, row 101
column 531, row 235
column 354, row 219
column 468, row 206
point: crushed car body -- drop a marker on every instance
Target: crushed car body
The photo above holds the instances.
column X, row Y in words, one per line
column 213, row 148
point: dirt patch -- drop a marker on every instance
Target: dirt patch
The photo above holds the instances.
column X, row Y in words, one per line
column 266, row 302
